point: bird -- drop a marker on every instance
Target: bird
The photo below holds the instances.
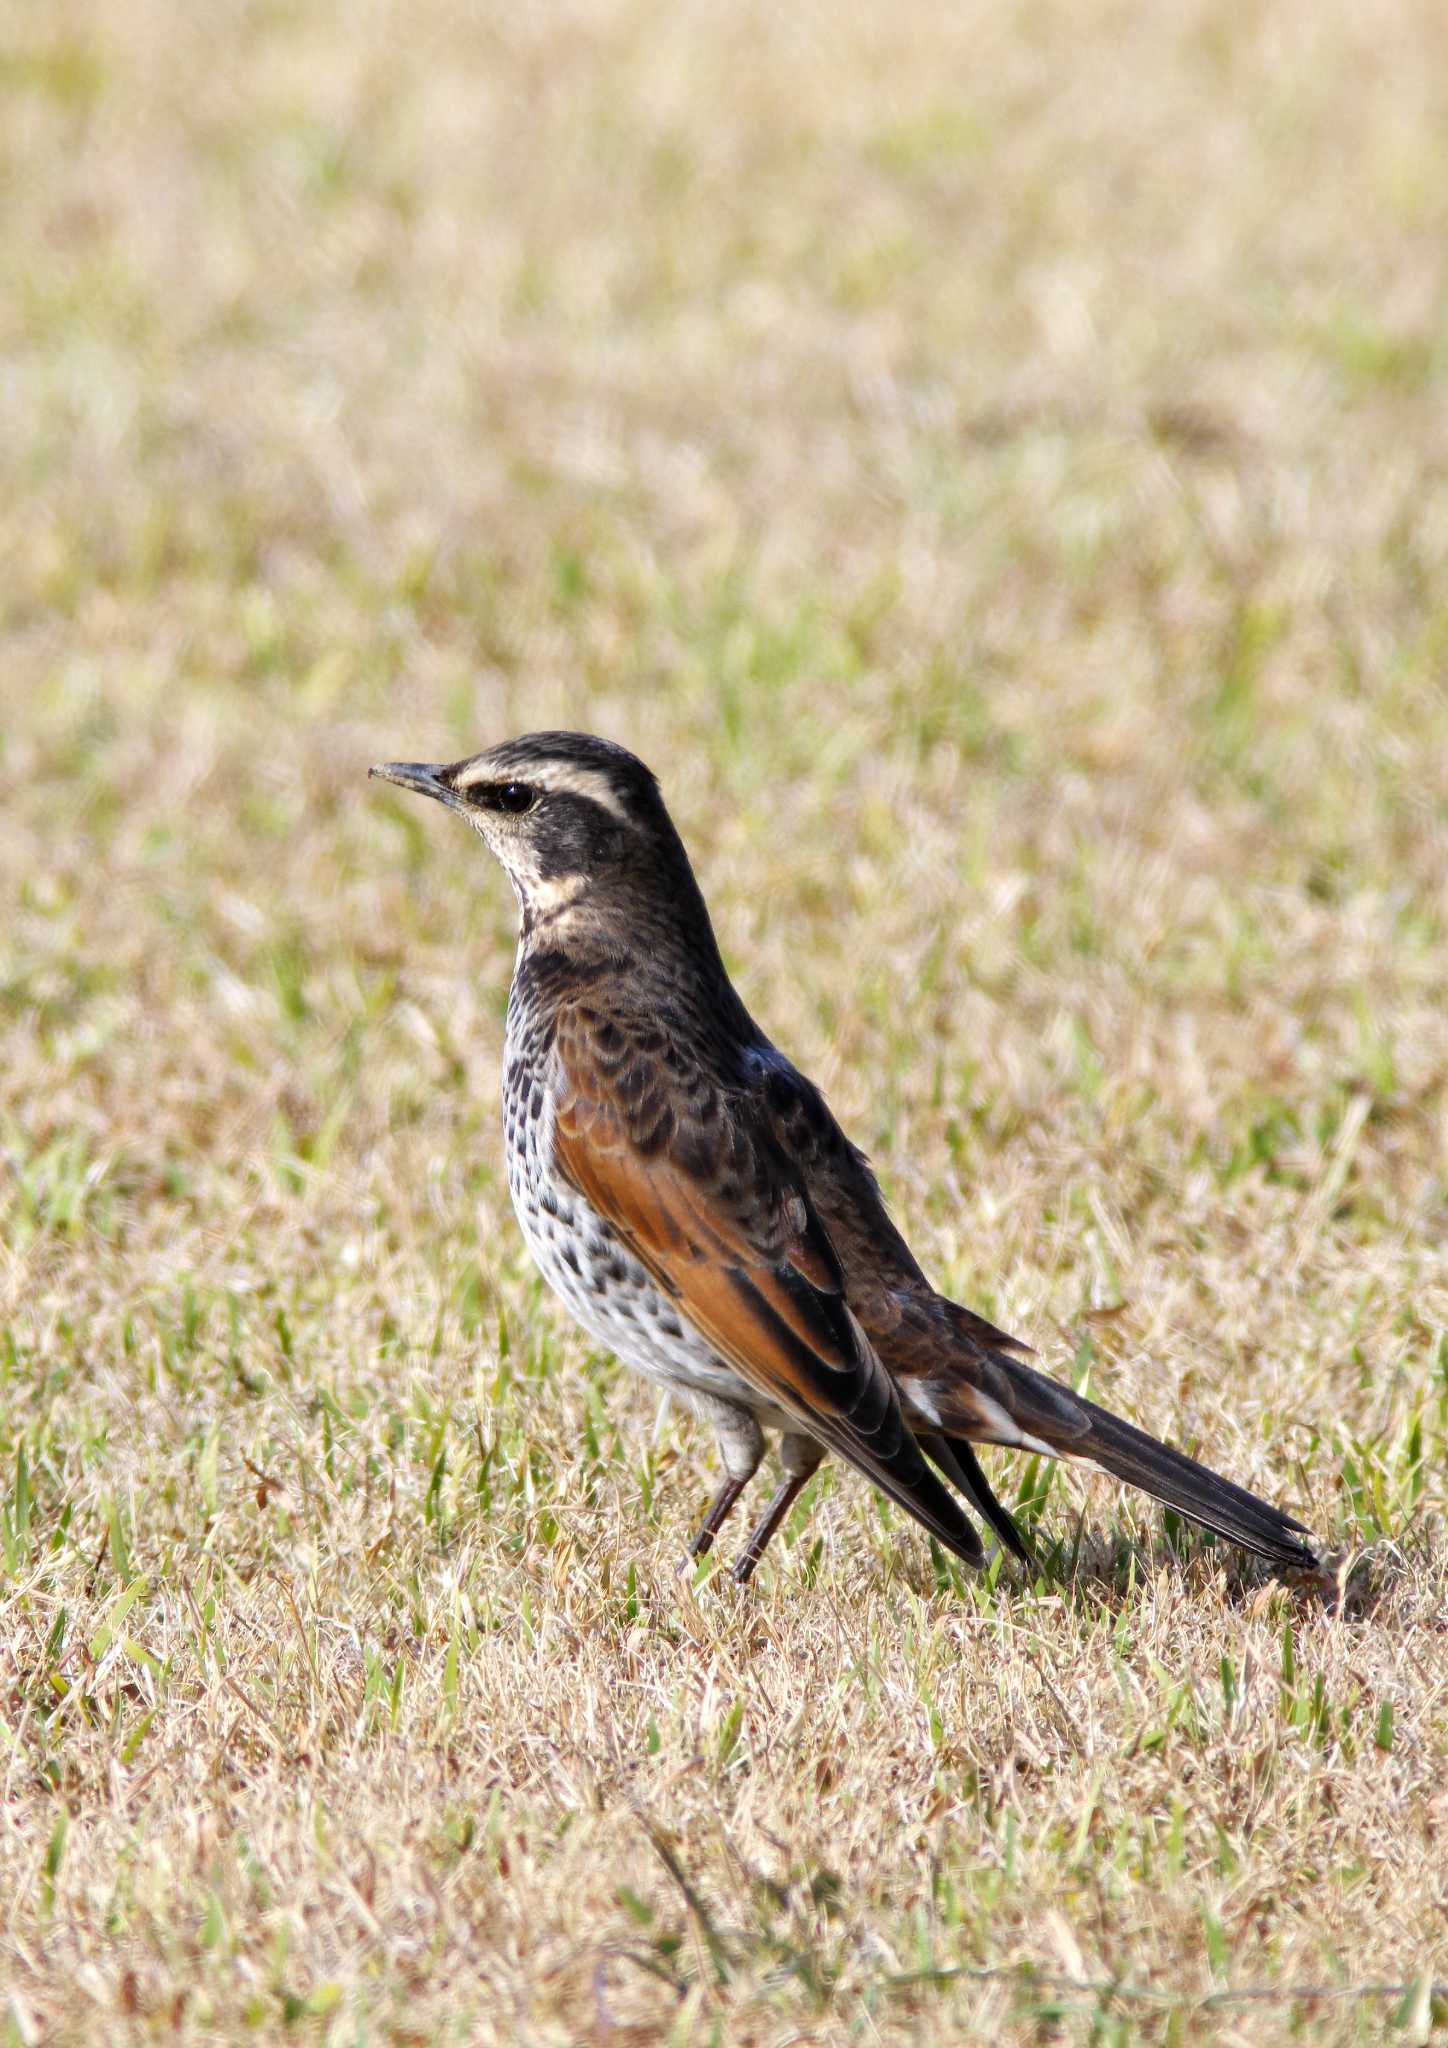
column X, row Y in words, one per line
column 688, row 1193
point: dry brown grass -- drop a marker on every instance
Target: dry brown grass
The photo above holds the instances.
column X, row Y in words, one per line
column 996, row 468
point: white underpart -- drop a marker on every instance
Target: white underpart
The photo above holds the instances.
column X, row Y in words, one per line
column 1003, row 1429
column 1008, row 1431
column 627, row 1313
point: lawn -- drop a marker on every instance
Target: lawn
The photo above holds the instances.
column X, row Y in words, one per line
column 994, row 465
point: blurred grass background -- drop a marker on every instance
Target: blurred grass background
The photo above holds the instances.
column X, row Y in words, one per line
column 994, row 465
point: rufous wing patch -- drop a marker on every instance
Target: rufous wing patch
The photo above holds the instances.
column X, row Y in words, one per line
column 742, row 1252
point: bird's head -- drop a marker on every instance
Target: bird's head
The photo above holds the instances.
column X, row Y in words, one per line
column 569, row 816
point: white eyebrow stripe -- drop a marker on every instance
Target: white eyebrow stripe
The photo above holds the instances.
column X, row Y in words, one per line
column 564, row 777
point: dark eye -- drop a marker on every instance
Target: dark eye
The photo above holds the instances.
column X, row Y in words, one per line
column 514, row 796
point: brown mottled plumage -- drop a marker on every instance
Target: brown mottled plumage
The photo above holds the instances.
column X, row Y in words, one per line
column 692, row 1199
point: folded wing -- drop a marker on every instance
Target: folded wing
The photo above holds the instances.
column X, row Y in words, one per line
column 962, row 1381
column 691, row 1178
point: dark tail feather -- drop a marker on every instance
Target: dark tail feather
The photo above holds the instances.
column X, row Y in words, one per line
column 1079, row 1429
column 1193, row 1490
column 960, row 1465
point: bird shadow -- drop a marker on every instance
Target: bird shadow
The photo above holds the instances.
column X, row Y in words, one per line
column 1095, row 1569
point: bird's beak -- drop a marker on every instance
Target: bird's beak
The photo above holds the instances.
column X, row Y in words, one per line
column 423, row 776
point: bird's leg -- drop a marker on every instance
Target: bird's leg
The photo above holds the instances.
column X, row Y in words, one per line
column 800, row 1456
column 713, row 1522
column 741, row 1446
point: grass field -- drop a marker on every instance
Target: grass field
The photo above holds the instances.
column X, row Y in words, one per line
column 994, row 465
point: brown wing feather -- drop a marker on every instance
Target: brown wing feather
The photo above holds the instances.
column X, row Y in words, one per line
column 690, row 1177
column 910, row 1327
column 971, row 1378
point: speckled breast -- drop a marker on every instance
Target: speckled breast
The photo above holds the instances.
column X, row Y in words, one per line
column 576, row 1250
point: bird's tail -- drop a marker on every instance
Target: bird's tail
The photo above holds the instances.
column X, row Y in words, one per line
column 960, row 1465
column 1018, row 1406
